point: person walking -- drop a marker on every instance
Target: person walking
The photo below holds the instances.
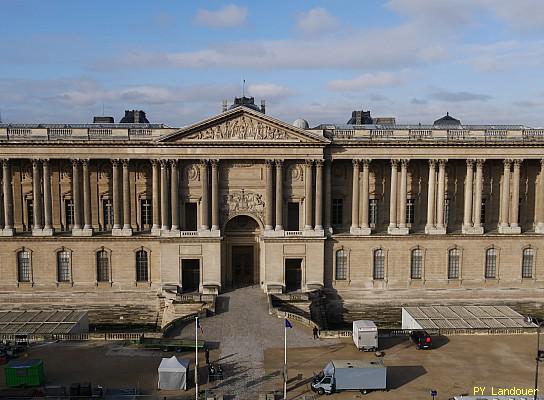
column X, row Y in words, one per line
column 207, row 354
column 316, row 333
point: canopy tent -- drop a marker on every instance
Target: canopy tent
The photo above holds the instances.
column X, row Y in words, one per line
column 173, row 373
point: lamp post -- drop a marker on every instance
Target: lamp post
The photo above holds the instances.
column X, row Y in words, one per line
column 539, row 354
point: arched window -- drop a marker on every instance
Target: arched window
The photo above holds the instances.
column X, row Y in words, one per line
column 341, row 265
column 24, row 269
column 379, row 264
column 63, row 266
column 454, row 256
column 142, row 266
column 416, row 264
column 527, row 263
column 102, row 266
column 491, row 263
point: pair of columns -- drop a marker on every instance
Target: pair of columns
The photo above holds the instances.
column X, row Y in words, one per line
column 436, row 198
column 205, row 179
column 397, row 220
column 509, row 210
column 360, row 197
column 121, row 200
column 473, row 198
column 162, row 193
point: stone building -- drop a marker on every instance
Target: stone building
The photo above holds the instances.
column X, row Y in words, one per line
column 109, row 217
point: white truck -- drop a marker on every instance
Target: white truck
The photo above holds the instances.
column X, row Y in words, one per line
column 365, row 335
column 339, row 375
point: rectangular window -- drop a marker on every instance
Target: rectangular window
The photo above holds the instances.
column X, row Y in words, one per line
column 527, row 263
column 337, row 211
column 293, row 216
column 453, row 263
column 482, row 212
column 190, row 217
column 23, row 266
column 146, row 212
column 446, row 211
column 410, row 211
column 416, row 264
column 69, row 212
column 141, row 266
column 63, row 266
column 379, row 264
column 29, row 214
column 491, row 263
column 373, row 212
column 107, row 208
column 102, row 266
column 341, row 265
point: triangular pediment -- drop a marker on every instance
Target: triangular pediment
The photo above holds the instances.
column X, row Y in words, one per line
column 243, row 125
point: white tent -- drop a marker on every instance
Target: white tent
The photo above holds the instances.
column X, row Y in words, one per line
column 173, row 373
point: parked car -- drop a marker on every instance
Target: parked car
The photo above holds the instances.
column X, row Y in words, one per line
column 421, row 339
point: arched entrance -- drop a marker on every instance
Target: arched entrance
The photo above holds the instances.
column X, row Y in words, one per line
column 241, row 252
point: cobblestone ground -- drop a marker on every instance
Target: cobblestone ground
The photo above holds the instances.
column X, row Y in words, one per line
column 243, row 330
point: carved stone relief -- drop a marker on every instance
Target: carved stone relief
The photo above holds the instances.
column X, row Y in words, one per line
column 192, row 173
column 104, row 172
column 295, row 173
column 242, row 128
column 242, row 202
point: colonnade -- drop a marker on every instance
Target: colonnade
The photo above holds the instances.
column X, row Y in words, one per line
column 317, row 199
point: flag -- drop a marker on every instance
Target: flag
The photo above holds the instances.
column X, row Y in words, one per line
column 287, row 323
column 199, row 326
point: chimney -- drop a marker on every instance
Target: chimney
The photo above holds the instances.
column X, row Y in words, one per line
column 263, row 106
column 225, row 105
column 103, row 120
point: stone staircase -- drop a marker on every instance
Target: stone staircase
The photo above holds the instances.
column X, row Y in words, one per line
column 182, row 306
column 306, row 305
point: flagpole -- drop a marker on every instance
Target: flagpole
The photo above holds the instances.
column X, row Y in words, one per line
column 285, row 360
column 196, row 358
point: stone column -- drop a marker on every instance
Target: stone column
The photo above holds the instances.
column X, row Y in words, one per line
column 539, row 201
column 430, row 197
column 365, row 226
column 279, row 195
column 8, row 199
column 48, row 221
column 514, row 211
column 403, row 194
column 505, row 195
column 164, row 196
column 76, row 196
column 467, row 215
column 174, row 194
column 156, row 228
column 440, row 194
column 355, row 198
column 478, row 229
column 36, row 198
column 116, row 199
column 318, row 195
column 393, row 197
column 269, row 213
column 328, row 195
column 87, row 211
column 308, row 196
column 205, row 225
column 215, row 196
column 127, row 225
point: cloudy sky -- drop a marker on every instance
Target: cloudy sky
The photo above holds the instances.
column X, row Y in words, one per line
column 481, row 60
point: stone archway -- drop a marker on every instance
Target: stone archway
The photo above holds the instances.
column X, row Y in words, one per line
column 241, row 252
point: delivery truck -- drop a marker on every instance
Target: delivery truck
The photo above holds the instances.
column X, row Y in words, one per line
column 365, row 335
column 339, row 375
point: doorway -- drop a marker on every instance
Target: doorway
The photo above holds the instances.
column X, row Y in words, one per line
column 242, row 266
column 190, row 275
column 293, row 274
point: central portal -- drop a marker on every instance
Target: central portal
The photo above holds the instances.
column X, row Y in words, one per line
column 241, row 252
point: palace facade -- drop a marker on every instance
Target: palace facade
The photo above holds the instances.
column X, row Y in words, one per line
column 109, row 217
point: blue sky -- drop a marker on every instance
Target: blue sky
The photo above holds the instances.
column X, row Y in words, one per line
column 481, row 60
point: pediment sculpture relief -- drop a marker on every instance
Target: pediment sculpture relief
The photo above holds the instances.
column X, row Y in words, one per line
column 242, row 128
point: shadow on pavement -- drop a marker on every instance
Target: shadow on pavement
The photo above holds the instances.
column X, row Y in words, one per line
column 389, row 342
column 398, row 376
column 222, row 304
column 439, row 341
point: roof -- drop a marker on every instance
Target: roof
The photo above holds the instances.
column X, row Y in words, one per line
column 467, row 317
column 357, row 363
column 364, row 323
column 39, row 322
column 447, row 120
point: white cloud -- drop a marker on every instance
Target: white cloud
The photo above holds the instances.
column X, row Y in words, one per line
column 364, row 81
column 505, row 55
column 445, row 95
column 229, row 16
column 269, row 90
column 522, row 16
column 316, row 21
